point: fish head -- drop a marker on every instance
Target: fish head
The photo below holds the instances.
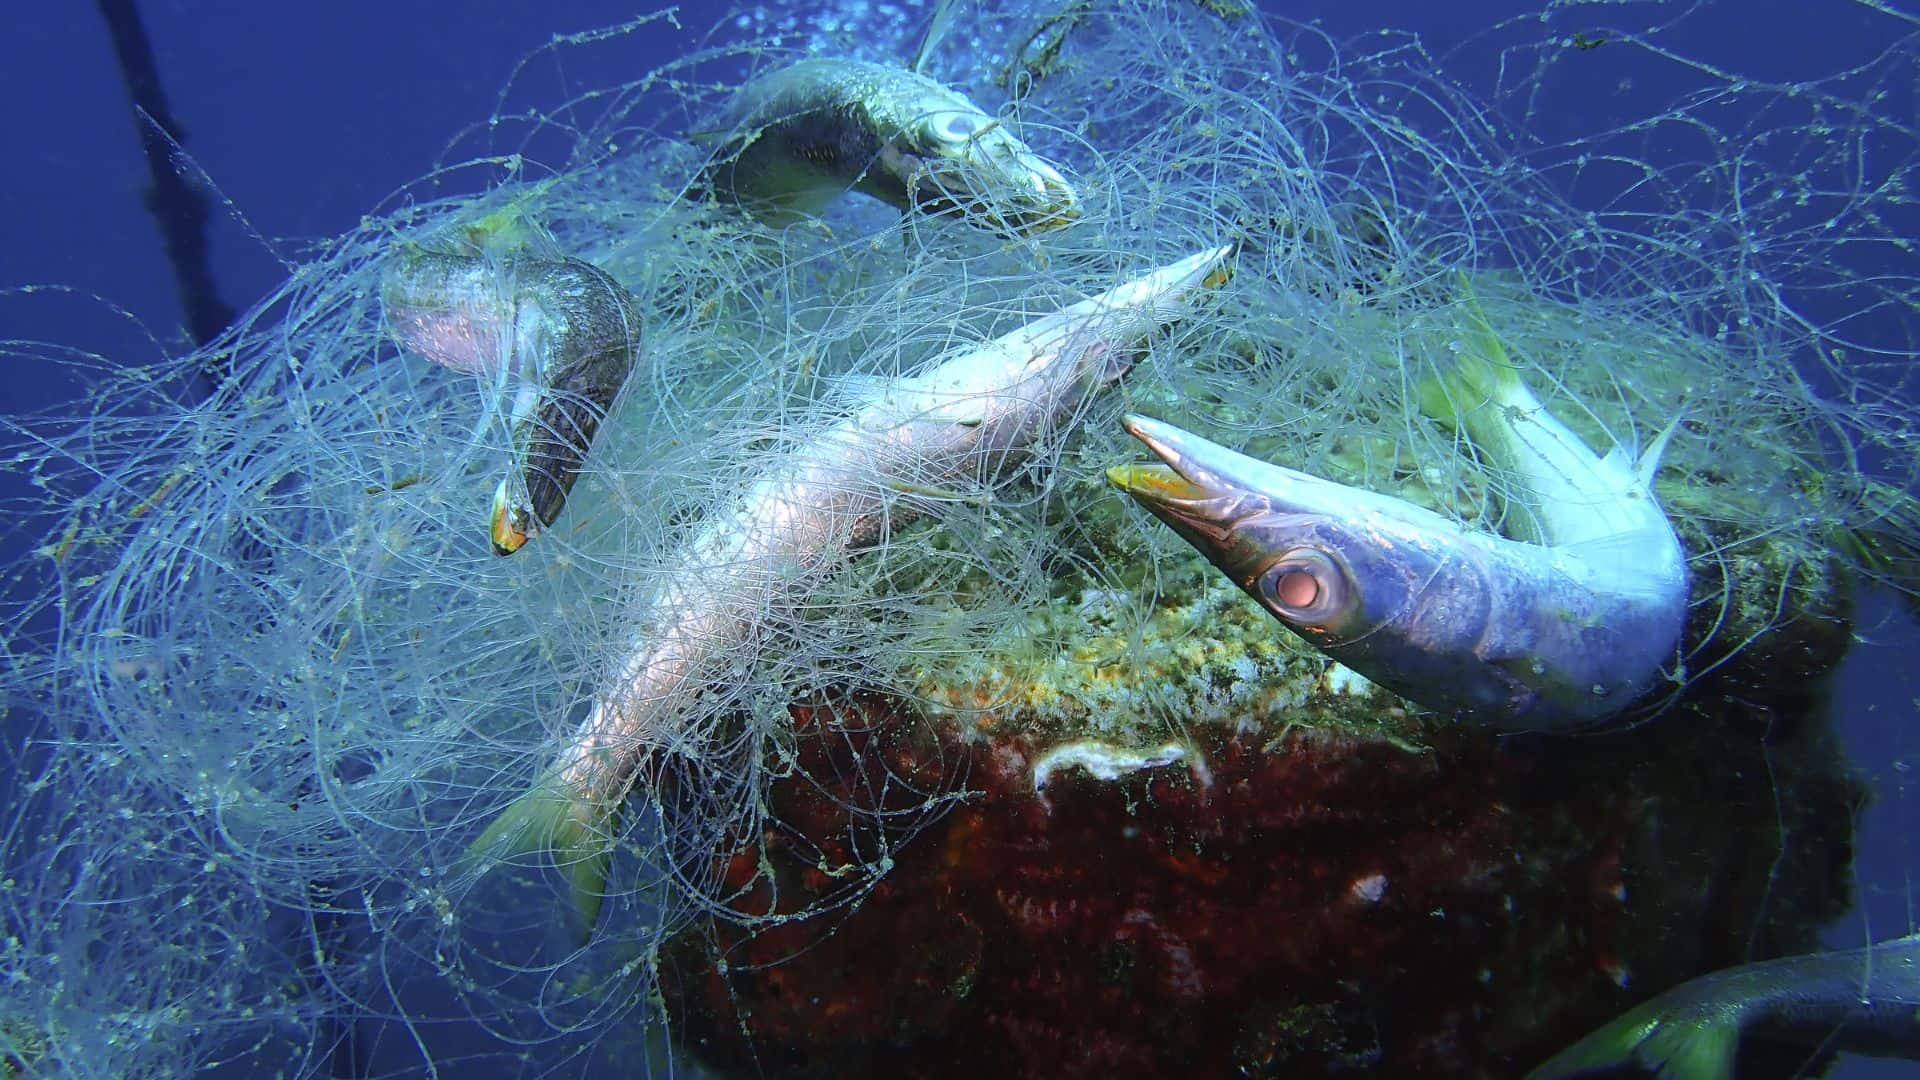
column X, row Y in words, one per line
column 1284, row 537
column 1382, row 586
column 802, row 135
column 945, row 155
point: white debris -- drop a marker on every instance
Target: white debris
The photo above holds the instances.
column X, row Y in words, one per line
column 1102, row 760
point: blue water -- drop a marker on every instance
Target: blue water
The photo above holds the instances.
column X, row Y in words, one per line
column 307, row 116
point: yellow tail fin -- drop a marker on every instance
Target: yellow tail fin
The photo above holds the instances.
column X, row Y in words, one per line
column 1482, row 373
column 575, row 834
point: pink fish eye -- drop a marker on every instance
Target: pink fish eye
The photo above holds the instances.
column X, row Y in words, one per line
column 1297, row 589
column 1306, row 586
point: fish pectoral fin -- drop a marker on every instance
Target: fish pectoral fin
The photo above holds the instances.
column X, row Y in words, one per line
column 575, row 836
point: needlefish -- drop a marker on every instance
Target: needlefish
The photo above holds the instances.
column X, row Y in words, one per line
column 1856, row 1001
column 966, row 419
column 1560, row 626
column 557, row 339
column 798, row 137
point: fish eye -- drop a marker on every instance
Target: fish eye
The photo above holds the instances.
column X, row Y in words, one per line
column 955, row 127
column 1305, row 586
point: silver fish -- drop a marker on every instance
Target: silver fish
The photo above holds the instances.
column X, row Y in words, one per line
column 801, row 136
column 1558, row 630
column 1858, row 1001
column 968, row 418
column 559, row 336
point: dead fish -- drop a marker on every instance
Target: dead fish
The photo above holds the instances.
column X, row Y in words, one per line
column 801, row 136
column 970, row 417
column 558, row 337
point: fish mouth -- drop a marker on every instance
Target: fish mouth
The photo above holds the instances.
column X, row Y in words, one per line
column 1012, row 192
column 1192, row 469
column 1155, row 482
column 1049, row 203
column 509, row 528
column 1207, row 493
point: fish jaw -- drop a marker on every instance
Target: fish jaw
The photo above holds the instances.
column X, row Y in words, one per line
column 999, row 391
column 585, row 343
column 991, row 179
column 1160, row 296
column 1246, row 516
column 1518, row 636
column 940, row 153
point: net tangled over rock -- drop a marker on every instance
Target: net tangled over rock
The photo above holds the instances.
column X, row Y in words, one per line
column 266, row 680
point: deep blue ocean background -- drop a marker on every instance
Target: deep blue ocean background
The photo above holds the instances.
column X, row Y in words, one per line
column 307, row 116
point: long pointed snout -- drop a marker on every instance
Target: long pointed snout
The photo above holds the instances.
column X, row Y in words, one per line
column 1200, row 488
column 1203, row 482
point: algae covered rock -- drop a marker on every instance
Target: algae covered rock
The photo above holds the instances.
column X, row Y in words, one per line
column 1185, row 840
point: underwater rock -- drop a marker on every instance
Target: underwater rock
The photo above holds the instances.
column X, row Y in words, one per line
column 1301, row 876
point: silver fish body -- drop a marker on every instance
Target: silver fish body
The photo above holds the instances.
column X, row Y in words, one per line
column 559, row 338
column 1862, row 1001
column 966, row 420
column 802, row 135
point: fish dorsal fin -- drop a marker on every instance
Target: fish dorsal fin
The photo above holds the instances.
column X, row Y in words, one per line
column 1649, row 462
column 937, row 27
column 1642, row 471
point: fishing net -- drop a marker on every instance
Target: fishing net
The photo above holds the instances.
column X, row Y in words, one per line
column 266, row 681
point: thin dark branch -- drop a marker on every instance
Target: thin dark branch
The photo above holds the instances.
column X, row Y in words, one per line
column 179, row 207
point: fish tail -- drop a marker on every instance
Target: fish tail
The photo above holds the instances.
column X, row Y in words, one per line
column 1481, row 374
column 1646, row 1038
column 574, row 832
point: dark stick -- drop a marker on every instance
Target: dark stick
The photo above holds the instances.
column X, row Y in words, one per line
column 179, row 207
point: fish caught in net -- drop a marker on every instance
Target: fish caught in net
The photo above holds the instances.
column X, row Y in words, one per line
column 299, row 760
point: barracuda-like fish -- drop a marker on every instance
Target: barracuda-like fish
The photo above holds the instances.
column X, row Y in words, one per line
column 802, row 135
column 967, row 419
column 1559, row 628
column 1859, row 1001
column 558, row 335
